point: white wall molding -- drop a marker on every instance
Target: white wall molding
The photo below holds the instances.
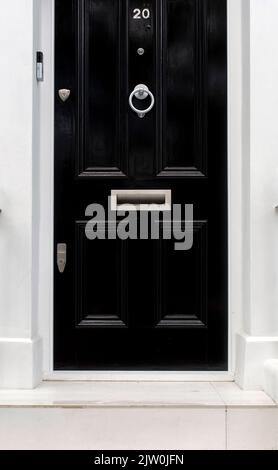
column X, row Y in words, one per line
column 20, row 363
column 46, row 189
column 271, row 378
column 45, row 292
column 252, row 352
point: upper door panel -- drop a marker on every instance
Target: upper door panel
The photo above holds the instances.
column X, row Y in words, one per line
column 169, row 142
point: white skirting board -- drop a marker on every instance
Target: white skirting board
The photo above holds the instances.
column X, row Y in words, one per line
column 20, row 363
column 252, row 353
column 271, row 378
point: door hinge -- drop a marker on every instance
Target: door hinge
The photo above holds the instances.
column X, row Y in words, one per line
column 61, row 256
column 39, row 67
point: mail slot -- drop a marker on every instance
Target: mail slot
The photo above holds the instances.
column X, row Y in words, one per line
column 144, row 200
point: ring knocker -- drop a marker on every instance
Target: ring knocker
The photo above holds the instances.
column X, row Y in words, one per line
column 141, row 92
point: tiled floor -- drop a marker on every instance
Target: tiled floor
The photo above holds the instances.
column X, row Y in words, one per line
column 233, row 396
column 137, row 415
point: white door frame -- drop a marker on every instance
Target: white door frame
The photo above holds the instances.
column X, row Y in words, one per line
column 45, row 195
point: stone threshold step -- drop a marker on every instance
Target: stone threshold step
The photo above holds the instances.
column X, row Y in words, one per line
column 56, row 394
column 137, row 415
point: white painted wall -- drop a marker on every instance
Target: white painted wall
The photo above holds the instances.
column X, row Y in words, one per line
column 16, row 142
column 259, row 341
column 260, row 165
column 18, row 316
column 264, row 168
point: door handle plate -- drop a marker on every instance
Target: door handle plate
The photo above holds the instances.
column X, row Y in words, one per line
column 61, row 257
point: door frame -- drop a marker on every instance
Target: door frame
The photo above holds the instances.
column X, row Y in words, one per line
column 44, row 192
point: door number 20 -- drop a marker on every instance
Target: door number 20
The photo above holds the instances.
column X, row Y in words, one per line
column 139, row 14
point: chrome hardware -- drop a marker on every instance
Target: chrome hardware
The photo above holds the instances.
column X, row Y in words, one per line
column 142, row 200
column 39, row 67
column 140, row 51
column 64, row 94
column 61, row 256
column 141, row 92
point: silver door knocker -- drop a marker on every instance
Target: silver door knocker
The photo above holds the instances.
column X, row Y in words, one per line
column 141, row 92
column 64, row 94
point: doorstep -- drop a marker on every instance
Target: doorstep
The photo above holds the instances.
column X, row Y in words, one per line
column 137, row 415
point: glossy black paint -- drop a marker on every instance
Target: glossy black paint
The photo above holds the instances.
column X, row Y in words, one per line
column 139, row 304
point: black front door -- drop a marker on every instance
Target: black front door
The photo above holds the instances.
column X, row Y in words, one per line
column 140, row 303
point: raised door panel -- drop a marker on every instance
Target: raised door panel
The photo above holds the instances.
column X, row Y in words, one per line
column 183, row 95
column 101, row 280
column 182, row 282
column 101, row 130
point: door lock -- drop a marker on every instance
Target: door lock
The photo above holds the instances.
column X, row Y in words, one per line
column 141, row 92
column 61, row 257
